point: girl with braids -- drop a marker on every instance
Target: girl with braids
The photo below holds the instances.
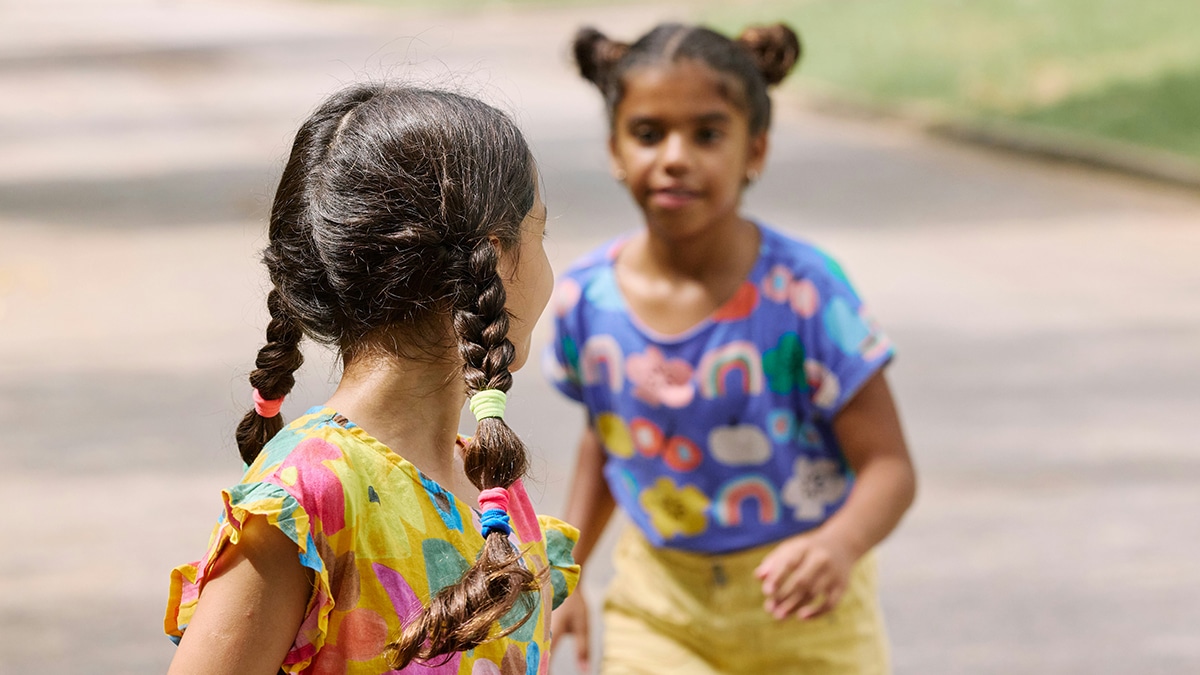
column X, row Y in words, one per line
column 406, row 233
column 737, row 407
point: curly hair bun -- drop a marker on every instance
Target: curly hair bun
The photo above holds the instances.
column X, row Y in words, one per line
column 775, row 49
column 596, row 54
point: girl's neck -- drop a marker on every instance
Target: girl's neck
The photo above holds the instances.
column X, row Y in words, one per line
column 671, row 285
column 411, row 406
column 713, row 254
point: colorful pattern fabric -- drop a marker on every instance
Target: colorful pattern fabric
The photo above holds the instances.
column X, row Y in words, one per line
column 380, row 538
column 721, row 438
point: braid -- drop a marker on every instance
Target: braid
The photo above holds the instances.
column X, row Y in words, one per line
column 495, row 457
column 301, row 293
column 461, row 616
column 273, row 377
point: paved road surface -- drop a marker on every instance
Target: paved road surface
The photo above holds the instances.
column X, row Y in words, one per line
column 1048, row 320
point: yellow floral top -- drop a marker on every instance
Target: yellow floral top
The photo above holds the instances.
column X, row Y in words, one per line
column 381, row 539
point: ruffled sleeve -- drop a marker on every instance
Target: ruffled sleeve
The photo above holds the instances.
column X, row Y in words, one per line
column 560, row 543
column 283, row 512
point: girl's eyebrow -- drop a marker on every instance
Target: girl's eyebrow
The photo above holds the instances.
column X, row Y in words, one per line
column 642, row 119
column 712, row 118
column 715, row 117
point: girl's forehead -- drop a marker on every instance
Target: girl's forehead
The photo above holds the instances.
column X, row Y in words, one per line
column 678, row 86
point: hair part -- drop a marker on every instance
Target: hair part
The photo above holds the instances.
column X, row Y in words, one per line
column 383, row 225
column 761, row 57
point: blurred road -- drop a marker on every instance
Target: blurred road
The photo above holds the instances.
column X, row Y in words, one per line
column 1048, row 320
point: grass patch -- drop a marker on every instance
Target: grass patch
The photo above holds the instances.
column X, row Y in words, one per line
column 1163, row 113
column 1112, row 69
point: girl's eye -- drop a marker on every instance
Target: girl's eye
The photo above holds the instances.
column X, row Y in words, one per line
column 646, row 135
column 707, row 136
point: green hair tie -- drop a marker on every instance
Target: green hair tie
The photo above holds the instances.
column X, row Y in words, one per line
column 488, row 403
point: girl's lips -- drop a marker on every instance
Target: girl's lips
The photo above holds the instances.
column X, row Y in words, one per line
column 673, row 198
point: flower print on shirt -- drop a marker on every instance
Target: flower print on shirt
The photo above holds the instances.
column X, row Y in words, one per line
column 814, row 485
column 784, row 365
column 777, row 283
column 647, row 437
column 805, row 298
column 740, row 306
column 681, row 454
column 658, row 380
column 675, row 511
column 825, row 385
column 614, row 435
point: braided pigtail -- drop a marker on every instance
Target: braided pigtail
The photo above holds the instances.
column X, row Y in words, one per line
column 301, row 296
column 775, row 49
column 272, row 379
column 462, row 616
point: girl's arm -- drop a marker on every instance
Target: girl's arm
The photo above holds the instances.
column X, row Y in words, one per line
column 251, row 608
column 809, row 572
column 589, row 508
column 590, row 504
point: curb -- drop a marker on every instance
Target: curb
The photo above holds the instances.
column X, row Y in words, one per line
column 1038, row 142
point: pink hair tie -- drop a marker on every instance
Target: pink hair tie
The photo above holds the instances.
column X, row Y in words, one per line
column 266, row 408
column 493, row 498
column 493, row 507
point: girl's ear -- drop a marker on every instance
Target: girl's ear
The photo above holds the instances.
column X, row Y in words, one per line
column 756, row 158
column 616, row 166
column 505, row 266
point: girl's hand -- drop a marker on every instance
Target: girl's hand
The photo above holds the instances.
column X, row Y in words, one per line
column 805, row 575
column 571, row 618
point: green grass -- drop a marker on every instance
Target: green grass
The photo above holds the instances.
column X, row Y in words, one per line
column 1116, row 69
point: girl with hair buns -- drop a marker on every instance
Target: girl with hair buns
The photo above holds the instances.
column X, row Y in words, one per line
column 406, row 232
column 736, row 403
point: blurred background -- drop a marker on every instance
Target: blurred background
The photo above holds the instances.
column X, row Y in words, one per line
column 1014, row 186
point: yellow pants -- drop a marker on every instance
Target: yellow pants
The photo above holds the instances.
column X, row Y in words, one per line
column 676, row 612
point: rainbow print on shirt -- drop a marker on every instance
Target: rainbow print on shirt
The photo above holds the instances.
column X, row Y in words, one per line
column 729, row 365
column 727, row 503
column 603, row 361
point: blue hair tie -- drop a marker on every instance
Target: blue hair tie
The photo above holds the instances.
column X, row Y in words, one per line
column 494, row 520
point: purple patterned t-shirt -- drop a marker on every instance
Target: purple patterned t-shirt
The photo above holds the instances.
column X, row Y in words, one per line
column 720, row 439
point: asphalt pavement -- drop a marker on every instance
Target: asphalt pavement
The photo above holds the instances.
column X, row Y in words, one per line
column 1047, row 317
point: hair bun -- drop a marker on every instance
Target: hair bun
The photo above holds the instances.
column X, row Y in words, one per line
column 596, row 54
column 775, row 49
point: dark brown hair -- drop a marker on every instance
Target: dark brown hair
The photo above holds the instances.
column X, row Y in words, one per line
column 760, row 57
column 383, row 221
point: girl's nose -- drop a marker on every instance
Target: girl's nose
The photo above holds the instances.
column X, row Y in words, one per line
column 676, row 153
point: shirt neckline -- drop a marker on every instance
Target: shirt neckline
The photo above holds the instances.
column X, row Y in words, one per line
column 378, row 446
column 651, row 335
